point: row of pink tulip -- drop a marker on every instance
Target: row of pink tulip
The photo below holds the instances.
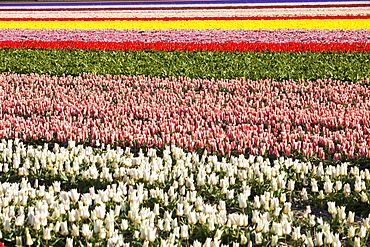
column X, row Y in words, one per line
column 314, row 118
column 189, row 35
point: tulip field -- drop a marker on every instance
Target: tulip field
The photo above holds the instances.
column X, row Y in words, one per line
column 185, row 131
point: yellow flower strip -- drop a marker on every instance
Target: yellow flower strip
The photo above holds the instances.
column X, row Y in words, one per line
column 194, row 24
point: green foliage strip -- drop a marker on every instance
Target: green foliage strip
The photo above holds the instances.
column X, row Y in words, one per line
column 346, row 66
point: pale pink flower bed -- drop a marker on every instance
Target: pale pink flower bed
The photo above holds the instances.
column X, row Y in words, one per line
column 260, row 117
column 189, row 35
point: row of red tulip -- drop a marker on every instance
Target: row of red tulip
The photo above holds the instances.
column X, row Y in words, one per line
column 320, row 118
column 190, row 46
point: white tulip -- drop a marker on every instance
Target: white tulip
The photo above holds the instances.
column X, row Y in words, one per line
column 287, row 227
column 6, row 225
column 338, row 185
column 75, row 230
column 167, row 225
column 241, row 219
column 29, row 240
column 64, row 228
column 277, row 228
column 291, row 184
column 174, row 223
column 341, row 212
column 296, row 233
column 321, row 195
column 282, row 198
column 314, row 187
column 156, row 209
column 242, row 198
column 243, row 239
column 363, row 231
column 218, row 234
column 74, row 195
column 347, row 189
column 319, row 239
column 257, row 202
column 274, row 240
column 211, row 223
column 196, row 243
column 366, row 223
column 331, row 208
column 351, row 217
column 150, row 234
column 287, row 207
column 164, row 243
column 103, row 233
column 328, row 185
column 230, row 194
column 328, row 238
column 192, row 218
column 184, row 231
column 215, row 243
column 357, row 242
column 311, row 220
column 336, row 241
column 309, row 242
column 258, row 237
column 180, row 209
column 364, row 197
column 56, row 227
column 69, row 242
column 124, row 224
column 304, row 194
column 19, row 221
column 46, row 233
column 326, row 228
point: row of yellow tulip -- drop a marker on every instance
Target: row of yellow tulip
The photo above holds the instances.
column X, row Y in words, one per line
column 193, row 24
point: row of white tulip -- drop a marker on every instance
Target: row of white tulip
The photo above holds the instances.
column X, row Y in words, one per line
column 77, row 195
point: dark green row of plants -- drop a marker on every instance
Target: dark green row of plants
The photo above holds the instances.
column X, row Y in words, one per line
column 346, row 66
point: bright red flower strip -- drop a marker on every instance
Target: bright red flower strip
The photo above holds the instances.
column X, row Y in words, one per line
column 194, row 18
column 189, row 46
